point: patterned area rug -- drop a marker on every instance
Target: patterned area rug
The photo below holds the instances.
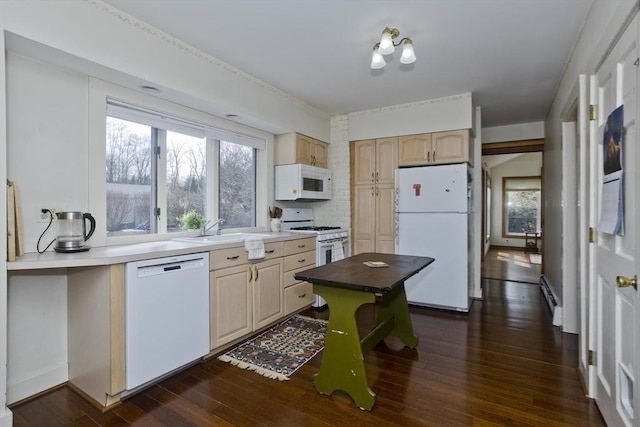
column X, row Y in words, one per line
column 280, row 351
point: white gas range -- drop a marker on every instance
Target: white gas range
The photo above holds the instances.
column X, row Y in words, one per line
column 332, row 243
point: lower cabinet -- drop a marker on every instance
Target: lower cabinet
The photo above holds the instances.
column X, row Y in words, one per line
column 231, row 304
column 298, row 294
column 268, row 302
column 246, row 297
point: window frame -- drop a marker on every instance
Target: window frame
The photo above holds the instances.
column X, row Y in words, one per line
column 537, row 186
column 99, row 93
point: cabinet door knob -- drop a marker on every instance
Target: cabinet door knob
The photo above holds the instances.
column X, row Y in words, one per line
column 302, row 296
column 270, row 252
column 301, row 246
column 257, row 272
column 250, row 274
column 302, row 260
column 233, row 257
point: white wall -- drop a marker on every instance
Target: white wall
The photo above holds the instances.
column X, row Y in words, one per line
column 432, row 115
column 47, row 158
column 95, row 36
column 519, row 132
column 528, row 164
column 604, row 20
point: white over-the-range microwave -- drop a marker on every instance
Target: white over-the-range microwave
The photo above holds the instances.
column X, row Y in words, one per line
column 302, row 182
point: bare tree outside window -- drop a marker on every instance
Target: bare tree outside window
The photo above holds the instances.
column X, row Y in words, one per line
column 128, row 175
column 186, row 178
column 521, row 214
column 237, row 185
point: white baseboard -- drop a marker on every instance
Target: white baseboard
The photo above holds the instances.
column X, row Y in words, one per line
column 37, row 384
column 6, row 418
column 552, row 301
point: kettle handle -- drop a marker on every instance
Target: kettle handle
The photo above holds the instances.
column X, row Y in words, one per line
column 92, row 220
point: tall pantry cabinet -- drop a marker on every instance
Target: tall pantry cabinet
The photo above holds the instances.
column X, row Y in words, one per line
column 373, row 164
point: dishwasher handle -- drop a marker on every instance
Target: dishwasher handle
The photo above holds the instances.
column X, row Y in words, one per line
column 169, row 266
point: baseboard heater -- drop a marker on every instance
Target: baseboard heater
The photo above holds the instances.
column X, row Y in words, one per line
column 552, row 301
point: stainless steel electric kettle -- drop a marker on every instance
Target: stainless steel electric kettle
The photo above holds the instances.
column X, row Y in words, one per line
column 72, row 231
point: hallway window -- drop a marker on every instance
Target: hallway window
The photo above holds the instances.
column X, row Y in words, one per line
column 521, row 212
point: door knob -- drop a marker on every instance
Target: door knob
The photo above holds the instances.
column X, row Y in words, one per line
column 624, row 282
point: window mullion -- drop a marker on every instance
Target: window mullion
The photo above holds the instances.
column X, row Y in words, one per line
column 213, row 178
column 161, row 181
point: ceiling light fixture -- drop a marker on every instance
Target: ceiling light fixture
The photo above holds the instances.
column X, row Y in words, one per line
column 387, row 46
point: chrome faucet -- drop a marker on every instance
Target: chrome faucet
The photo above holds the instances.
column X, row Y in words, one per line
column 204, row 229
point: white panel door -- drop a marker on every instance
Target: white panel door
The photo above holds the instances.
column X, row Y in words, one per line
column 615, row 256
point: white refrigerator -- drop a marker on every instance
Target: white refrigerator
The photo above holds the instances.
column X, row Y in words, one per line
column 434, row 219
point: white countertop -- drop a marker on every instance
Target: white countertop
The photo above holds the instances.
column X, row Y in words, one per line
column 107, row 255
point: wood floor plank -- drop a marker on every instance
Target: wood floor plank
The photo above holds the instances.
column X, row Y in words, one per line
column 503, row 363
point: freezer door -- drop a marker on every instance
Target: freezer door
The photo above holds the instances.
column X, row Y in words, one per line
column 445, row 283
column 433, row 189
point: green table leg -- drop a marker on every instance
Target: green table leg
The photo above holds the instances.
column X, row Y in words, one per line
column 342, row 366
column 394, row 303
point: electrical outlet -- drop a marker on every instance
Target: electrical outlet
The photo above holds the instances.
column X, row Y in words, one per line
column 44, row 215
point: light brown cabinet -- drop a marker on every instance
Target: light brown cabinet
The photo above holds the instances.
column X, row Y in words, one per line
column 434, row 148
column 246, row 296
column 297, row 148
column 374, row 163
column 268, row 296
column 299, row 255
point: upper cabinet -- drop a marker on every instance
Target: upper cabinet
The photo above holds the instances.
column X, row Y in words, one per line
column 434, row 148
column 375, row 161
column 297, row 148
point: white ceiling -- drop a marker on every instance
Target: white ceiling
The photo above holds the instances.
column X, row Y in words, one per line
column 509, row 53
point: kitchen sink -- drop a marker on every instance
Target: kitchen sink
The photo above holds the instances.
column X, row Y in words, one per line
column 222, row 238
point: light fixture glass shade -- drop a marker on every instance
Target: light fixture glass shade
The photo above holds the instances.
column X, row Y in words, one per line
column 386, row 43
column 377, row 60
column 408, row 55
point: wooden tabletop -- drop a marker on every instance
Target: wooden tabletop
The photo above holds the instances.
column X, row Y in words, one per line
column 352, row 273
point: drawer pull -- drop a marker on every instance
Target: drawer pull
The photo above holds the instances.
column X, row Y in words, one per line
column 302, row 296
column 302, row 260
column 270, row 252
column 301, row 246
column 233, row 257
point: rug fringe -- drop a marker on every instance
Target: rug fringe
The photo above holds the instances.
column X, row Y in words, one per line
column 310, row 319
column 251, row 367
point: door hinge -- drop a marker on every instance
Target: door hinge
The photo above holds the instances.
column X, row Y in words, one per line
column 156, row 212
column 156, row 150
column 591, row 358
column 592, row 112
column 593, row 235
column 637, row 62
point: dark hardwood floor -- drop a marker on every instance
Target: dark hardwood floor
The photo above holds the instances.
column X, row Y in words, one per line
column 510, row 264
column 503, row 363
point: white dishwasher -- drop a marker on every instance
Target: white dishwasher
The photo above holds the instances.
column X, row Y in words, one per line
column 166, row 315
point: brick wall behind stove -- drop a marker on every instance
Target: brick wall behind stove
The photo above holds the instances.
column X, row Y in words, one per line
column 337, row 211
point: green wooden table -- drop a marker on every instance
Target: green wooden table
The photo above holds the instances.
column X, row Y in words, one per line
column 346, row 285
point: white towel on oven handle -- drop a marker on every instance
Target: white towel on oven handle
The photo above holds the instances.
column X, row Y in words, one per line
column 337, row 253
column 255, row 248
